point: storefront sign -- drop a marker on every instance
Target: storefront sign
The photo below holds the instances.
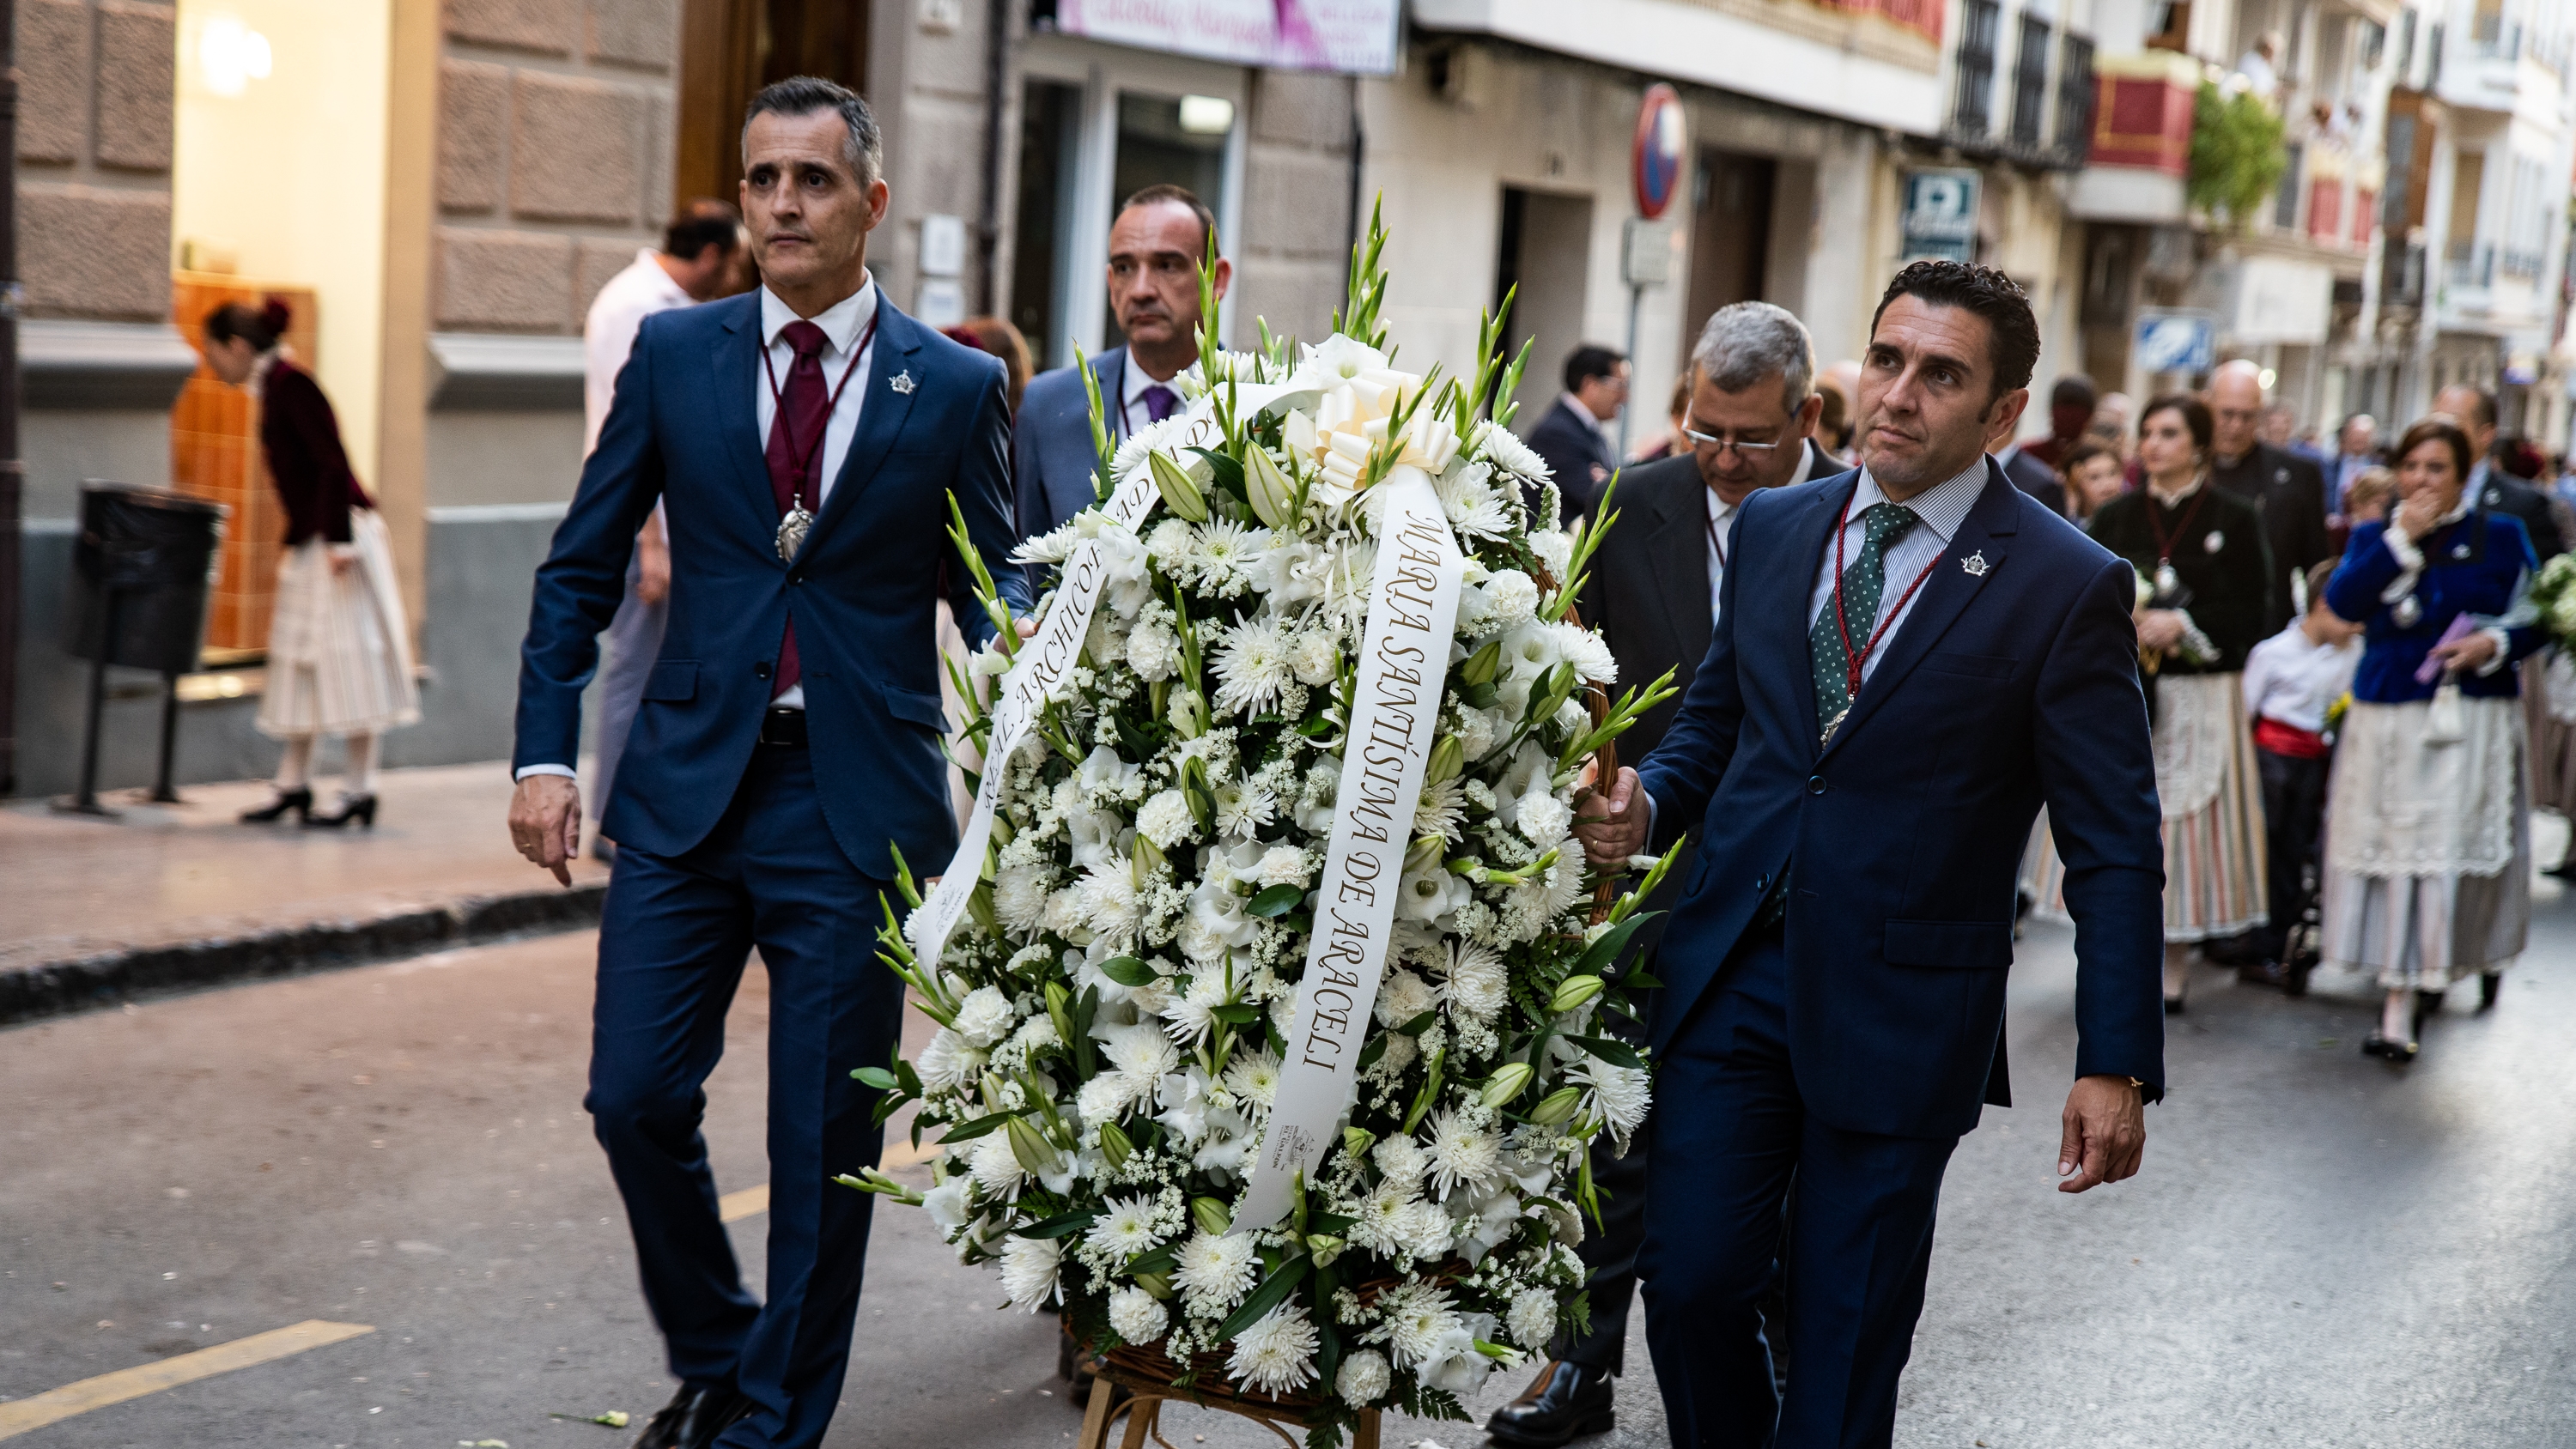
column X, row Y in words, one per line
column 2176, row 341
column 1658, row 158
column 1353, row 37
column 1941, row 215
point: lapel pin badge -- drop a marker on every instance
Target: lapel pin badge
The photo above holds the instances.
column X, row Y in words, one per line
column 902, row 382
column 1975, row 564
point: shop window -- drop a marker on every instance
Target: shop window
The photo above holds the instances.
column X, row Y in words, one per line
column 1546, row 246
column 1050, row 157
column 1169, row 140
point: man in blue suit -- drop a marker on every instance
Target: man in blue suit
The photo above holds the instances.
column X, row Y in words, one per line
column 1155, row 247
column 1909, row 660
column 805, row 442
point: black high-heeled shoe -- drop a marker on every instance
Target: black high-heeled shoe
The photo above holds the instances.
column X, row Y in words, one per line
column 2396, row 1052
column 361, row 808
column 299, row 800
column 2489, row 984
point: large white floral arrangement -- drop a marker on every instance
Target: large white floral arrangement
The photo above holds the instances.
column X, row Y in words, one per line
column 1115, row 1002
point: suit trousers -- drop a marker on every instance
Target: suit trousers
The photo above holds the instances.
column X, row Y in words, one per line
column 634, row 641
column 1730, row 1132
column 673, row 941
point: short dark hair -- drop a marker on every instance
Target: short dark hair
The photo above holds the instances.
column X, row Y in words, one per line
column 260, row 327
column 2074, row 390
column 1588, row 362
column 2081, row 454
column 2195, row 416
column 2438, row 429
column 1162, row 192
column 863, row 149
column 703, row 223
column 1989, row 294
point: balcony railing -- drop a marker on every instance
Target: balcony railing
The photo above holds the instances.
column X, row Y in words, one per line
column 2467, row 264
column 1979, row 20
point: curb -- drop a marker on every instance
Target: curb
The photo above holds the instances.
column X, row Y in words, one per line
column 59, row 988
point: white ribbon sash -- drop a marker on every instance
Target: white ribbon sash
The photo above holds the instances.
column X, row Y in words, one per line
column 1043, row 667
column 1404, row 663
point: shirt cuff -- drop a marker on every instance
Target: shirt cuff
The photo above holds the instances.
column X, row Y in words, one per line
column 1652, row 810
column 2503, row 651
column 564, row 770
column 2410, row 566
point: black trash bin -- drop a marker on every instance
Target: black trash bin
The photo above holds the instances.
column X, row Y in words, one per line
column 141, row 572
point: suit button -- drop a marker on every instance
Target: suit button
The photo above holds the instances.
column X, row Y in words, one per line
column 760, row 670
column 1815, row 784
column 795, row 578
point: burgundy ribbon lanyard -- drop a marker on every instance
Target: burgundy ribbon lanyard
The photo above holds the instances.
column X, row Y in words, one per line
column 2182, row 525
column 1886, row 620
column 804, row 458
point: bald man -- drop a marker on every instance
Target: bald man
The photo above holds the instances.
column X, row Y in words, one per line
column 2288, row 490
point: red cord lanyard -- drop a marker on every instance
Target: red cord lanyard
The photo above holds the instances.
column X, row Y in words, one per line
column 2156, row 521
column 1886, row 619
column 804, row 458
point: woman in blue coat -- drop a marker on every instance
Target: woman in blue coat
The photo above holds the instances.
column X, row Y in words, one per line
column 2428, row 839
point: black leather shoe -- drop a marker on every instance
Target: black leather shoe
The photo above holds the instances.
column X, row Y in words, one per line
column 662, row 1431
column 1565, row 1400
column 280, row 802
column 693, row 1418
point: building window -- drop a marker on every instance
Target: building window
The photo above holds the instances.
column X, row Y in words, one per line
column 2075, row 88
column 2030, row 79
column 2171, row 29
column 2285, row 197
column 1979, row 20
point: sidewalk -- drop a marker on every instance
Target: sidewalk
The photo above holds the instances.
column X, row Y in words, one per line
column 171, row 896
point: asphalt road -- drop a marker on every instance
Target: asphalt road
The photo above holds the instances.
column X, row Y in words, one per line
column 2321, row 1251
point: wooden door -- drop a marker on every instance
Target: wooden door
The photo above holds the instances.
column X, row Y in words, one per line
column 1730, row 235
column 729, row 49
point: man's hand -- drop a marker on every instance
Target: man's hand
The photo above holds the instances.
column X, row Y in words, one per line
column 1612, row 828
column 545, row 822
column 653, row 558
column 2159, row 629
column 2104, row 1133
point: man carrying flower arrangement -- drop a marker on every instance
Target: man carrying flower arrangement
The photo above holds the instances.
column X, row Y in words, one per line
column 1909, row 661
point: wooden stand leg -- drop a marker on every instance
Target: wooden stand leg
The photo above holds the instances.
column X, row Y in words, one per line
column 1365, row 1436
column 1095, row 1418
column 1142, row 1413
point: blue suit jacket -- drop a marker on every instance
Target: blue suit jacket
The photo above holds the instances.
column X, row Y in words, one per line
column 1903, row 838
column 1051, row 458
column 682, row 430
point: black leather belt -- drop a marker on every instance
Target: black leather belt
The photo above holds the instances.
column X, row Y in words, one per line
column 784, row 728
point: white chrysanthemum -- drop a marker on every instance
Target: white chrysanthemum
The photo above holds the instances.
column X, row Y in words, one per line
column 1427, row 1231
column 1254, row 1078
column 1463, row 1153
column 1284, row 865
column 1381, row 1223
column 1277, row 1353
column 1165, row 820
column 995, row 1168
column 1532, row 1319
column 984, row 1017
column 1109, row 900
column 1225, row 548
column 1105, row 1097
column 1028, row 1270
column 1242, row 809
column 1136, row 1316
column 1315, row 656
column 1215, row 1272
column 1020, row 897
column 948, row 1062
column 1251, row 665
column 1364, row 1378
column 1473, row 506
column 1442, row 811
column 1543, row 820
column 1401, row 1159
column 1555, row 549
column 1153, row 650
column 1617, row 1095
column 1124, row 1228
column 1416, row 1317
column 1477, row 981
column 1590, row 657
column 1191, row 1016
column 1402, row 996
column 1511, row 599
column 1493, row 440
column 1140, row 1053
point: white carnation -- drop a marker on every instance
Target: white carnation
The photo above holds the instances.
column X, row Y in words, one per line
column 1401, row 997
column 1153, row 650
column 1284, row 865
column 1532, row 1319
column 1364, row 1378
column 1165, row 820
column 1401, row 1159
column 1136, row 1316
column 1315, row 656
column 985, row 1017
column 1544, row 819
column 1511, row 599
column 1277, row 1352
column 1028, row 1270
column 1554, row 547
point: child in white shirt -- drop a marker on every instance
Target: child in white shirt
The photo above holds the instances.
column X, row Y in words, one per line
column 2291, row 680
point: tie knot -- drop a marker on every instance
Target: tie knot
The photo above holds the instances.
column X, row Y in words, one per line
column 804, row 338
column 1886, row 520
column 1159, row 401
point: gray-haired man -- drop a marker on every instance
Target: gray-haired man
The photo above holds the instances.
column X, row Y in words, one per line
column 1750, row 424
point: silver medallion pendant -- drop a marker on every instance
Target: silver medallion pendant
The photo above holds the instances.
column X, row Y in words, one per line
column 2166, row 579
column 791, row 532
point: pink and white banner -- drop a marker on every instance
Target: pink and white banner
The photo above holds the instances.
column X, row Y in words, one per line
column 1353, row 37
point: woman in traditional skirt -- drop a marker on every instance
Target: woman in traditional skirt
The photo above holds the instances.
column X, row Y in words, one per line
column 339, row 650
column 2205, row 574
column 2428, row 832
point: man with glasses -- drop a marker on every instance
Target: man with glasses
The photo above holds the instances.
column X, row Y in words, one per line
column 1750, row 423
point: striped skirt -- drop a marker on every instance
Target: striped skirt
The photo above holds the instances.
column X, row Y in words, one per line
column 2213, row 828
column 339, row 647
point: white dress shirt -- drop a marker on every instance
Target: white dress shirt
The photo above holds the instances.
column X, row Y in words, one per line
column 608, row 333
column 1721, row 526
column 1133, row 381
column 2292, row 679
column 1942, row 508
column 842, row 323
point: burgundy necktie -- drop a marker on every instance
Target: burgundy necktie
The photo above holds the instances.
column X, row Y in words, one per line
column 1159, row 402
column 795, row 455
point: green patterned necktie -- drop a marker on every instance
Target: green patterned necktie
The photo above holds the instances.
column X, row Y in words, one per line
column 1863, row 584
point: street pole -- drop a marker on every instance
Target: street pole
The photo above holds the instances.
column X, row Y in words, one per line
column 1636, row 300
column 13, row 471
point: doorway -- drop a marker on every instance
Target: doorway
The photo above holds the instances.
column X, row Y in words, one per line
column 1730, row 234
column 1545, row 250
column 729, row 50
